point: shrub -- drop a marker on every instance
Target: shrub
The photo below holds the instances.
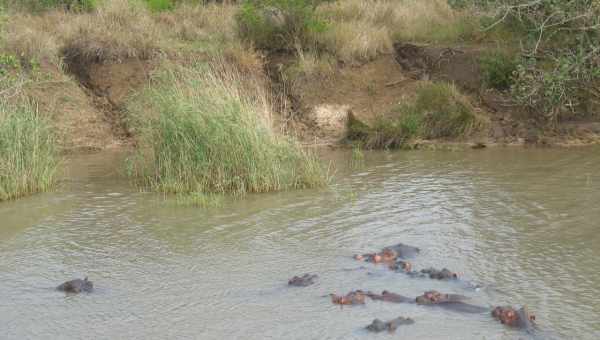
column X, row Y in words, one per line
column 28, row 156
column 279, row 24
column 438, row 111
column 498, row 70
column 446, row 112
column 160, row 5
column 205, row 129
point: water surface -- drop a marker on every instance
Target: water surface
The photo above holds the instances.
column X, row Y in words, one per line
column 522, row 222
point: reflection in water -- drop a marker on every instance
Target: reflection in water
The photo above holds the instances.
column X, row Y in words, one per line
column 523, row 222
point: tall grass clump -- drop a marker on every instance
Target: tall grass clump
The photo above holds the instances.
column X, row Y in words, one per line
column 360, row 30
column 206, row 129
column 28, row 153
column 279, row 24
column 447, row 113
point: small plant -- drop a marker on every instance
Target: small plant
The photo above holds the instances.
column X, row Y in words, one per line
column 279, row 24
column 498, row 70
column 357, row 158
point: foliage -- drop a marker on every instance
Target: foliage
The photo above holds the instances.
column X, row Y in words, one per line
column 561, row 53
column 41, row 5
column 28, row 156
column 497, row 69
column 438, row 111
column 279, row 24
column 205, row 129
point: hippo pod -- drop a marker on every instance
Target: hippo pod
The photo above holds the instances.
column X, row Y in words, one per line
column 303, row 281
column 390, row 297
column 390, row 326
column 512, row 317
column 449, row 301
column 356, row 297
column 76, row 286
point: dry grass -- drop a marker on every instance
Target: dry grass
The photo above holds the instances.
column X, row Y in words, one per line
column 360, row 30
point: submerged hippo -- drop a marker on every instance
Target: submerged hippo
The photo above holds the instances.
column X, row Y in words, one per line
column 77, row 286
column 390, row 297
column 389, row 254
column 449, row 301
column 356, row 297
column 390, row 326
column 404, row 251
column 436, row 274
column 512, row 317
column 401, row 266
column 303, row 281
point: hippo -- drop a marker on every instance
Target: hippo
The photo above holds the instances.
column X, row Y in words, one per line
column 302, row 281
column 353, row 298
column 436, row 274
column 401, row 266
column 77, row 286
column 390, row 326
column 390, row 297
column 389, row 254
column 512, row 317
column 404, row 251
column 450, row 301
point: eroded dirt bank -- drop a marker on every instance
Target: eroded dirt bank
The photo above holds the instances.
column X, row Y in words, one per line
column 322, row 104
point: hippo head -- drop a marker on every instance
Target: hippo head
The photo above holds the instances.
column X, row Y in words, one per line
column 359, row 257
column 388, row 255
column 506, row 315
column 429, row 297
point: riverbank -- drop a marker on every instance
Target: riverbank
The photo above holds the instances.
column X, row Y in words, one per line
column 383, row 75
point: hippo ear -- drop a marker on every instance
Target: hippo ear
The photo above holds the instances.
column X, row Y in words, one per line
column 86, row 278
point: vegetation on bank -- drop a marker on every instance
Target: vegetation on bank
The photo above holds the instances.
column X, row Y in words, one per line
column 28, row 154
column 546, row 59
column 205, row 128
column 439, row 111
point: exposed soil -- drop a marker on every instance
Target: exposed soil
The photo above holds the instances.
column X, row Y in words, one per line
column 108, row 85
column 375, row 88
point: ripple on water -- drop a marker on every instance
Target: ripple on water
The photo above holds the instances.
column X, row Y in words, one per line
column 520, row 221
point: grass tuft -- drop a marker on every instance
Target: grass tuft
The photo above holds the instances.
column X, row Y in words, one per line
column 28, row 156
column 208, row 131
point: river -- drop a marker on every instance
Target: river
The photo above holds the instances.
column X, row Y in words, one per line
column 523, row 223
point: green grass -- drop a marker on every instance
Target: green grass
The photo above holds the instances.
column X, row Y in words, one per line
column 438, row 111
column 205, row 129
column 28, row 153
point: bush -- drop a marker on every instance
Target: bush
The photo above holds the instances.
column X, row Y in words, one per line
column 205, row 129
column 28, row 156
column 160, row 5
column 279, row 24
column 498, row 70
column 438, row 111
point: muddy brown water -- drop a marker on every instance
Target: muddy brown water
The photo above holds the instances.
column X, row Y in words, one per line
column 522, row 222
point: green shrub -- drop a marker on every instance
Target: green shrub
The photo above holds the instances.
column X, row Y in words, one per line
column 28, row 154
column 279, row 24
column 438, row 111
column 446, row 112
column 203, row 129
column 497, row 70
column 160, row 5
